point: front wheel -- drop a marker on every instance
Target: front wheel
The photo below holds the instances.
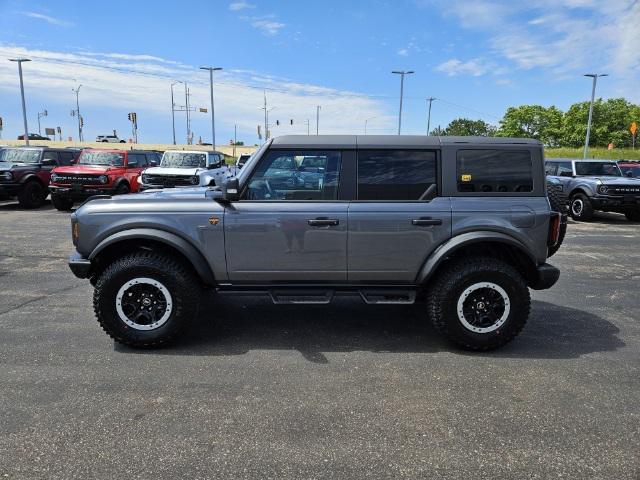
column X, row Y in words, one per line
column 146, row 299
column 581, row 208
column 122, row 189
column 61, row 203
column 480, row 303
column 633, row 216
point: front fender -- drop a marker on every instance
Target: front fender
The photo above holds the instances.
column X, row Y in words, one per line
column 465, row 239
column 196, row 259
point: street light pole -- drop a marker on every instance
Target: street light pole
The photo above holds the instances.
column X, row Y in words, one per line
column 430, row 100
column 365, row 124
column 402, row 73
column 593, row 94
column 213, row 115
column 77, row 92
column 24, row 107
column 318, row 107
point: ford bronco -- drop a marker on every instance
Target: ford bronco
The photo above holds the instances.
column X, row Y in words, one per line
column 462, row 224
column 182, row 168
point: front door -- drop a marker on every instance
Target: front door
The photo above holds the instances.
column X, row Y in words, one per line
column 398, row 218
column 289, row 225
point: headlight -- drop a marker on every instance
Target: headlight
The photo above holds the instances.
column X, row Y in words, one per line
column 103, row 179
column 603, row 189
column 144, row 179
column 195, row 180
column 6, row 175
column 54, row 177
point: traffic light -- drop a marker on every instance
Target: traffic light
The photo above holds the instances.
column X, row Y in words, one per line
column 278, row 122
column 259, row 132
column 291, row 122
column 0, row 122
column 81, row 121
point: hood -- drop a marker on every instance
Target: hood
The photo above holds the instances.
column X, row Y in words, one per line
column 174, row 171
column 613, row 180
column 95, row 169
column 10, row 165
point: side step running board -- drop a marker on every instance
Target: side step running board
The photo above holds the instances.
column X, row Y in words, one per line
column 388, row 296
column 282, row 297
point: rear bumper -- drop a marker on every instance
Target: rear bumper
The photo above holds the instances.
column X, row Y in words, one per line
column 546, row 277
column 80, row 266
column 79, row 194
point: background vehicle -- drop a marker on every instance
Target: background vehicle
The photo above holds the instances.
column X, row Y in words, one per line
column 185, row 168
column 109, row 139
column 460, row 223
column 630, row 168
column 241, row 160
column 33, row 136
column 99, row 172
column 596, row 185
column 25, row 172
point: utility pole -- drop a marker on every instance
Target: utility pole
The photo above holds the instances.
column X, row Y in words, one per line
column 235, row 138
column 24, row 107
column 41, row 114
column 173, row 111
column 366, row 122
column 318, row 107
column 80, row 122
column 593, row 94
column 213, row 116
column 430, row 100
column 267, row 132
column 402, row 73
column 188, row 110
column 307, row 122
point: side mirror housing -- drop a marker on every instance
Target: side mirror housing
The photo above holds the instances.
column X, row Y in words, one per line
column 629, row 173
column 231, row 189
column 49, row 162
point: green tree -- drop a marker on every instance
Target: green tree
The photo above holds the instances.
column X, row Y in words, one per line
column 533, row 121
column 465, row 126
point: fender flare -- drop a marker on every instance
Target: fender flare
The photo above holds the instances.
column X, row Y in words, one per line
column 196, row 259
column 29, row 177
column 120, row 181
column 455, row 243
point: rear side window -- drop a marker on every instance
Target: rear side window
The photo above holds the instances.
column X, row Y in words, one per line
column 395, row 174
column 494, row 171
column 550, row 168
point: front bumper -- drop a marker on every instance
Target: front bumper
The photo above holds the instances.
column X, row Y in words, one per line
column 11, row 189
column 546, row 277
column 80, row 266
column 81, row 192
column 142, row 187
column 615, row 203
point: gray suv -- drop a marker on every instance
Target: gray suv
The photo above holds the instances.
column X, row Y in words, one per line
column 462, row 224
column 592, row 185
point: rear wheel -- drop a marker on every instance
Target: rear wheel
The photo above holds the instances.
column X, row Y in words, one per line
column 480, row 303
column 32, row 195
column 581, row 208
column 633, row 216
column 146, row 299
column 61, row 203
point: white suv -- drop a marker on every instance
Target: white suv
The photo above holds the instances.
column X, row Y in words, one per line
column 185, row 168
column 109, row 139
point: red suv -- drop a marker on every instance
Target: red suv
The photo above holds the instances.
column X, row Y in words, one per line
column 99, row 172
column 630, row 169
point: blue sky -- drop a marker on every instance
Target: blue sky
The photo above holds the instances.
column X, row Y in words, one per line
column 476, row 58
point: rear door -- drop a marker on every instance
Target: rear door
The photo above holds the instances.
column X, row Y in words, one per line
column 398, row 217
column 289, row 225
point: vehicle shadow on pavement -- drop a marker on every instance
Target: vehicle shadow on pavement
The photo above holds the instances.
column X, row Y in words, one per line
column 236, row 326
column 11, row 205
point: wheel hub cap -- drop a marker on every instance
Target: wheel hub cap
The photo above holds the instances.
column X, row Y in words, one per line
column 144, row 303
column 483, row 307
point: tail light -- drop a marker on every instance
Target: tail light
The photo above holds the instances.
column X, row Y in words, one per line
column 554, row 229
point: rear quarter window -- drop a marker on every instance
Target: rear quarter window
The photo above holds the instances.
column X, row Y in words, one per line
column 494, row 171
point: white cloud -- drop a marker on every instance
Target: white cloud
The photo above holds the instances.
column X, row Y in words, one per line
column 265, row 23
column 475, row 67
column 125, row 82
column 48, row 19
column 236, row 6
column 403, row 52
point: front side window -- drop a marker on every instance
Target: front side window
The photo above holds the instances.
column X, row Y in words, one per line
column 598, row 168
column 564, row 169
column 550, row 168
column 395, row 174
column 101, row 158
column 296, row 175
column 50, row 156
column 494, row 171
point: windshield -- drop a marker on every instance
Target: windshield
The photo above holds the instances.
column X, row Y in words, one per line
column 184, row 160
column 102, row 158
column 19, row 155
column 634, row 169
column 598, row 169
column 252, row 159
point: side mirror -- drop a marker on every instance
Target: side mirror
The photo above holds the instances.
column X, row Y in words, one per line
column 49, row 162
column 629, row 173
column 231, row 189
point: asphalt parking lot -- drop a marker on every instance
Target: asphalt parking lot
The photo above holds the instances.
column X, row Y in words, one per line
column 345, row 391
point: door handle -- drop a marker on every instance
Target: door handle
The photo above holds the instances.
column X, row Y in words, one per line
column 323, row 222
column 426, row 221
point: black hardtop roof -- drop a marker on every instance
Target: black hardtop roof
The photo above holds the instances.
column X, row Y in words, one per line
column 391, row 141
column 599, row 160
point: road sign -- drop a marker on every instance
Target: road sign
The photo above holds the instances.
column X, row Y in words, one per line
column 634, row 128
column 50, row 131
column 203, row 110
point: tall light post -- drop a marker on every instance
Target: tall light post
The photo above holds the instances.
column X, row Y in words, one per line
column 365, row 124
column 402, row 73
column 173, row 111
column 41, row 114
column 77, row 92
column 24, row 107
column 318, row 107
column 593, row 94
column 430, row 100
column 213, row 115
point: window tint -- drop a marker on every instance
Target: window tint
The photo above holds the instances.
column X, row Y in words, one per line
column 50, row 156
column 564, row 169
column 288, row 175
column 66, row 158
column 135, row 160
column 550, row 168
column 496, row 171
column 395, row 174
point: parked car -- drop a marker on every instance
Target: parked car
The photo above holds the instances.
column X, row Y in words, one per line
column 241, row 160
column 34, row 136
column 462, row 224
column 99, row 172
column 593, row 185
column 25, row 172
column 185, row 168
column 109, row 139
column 630, row 168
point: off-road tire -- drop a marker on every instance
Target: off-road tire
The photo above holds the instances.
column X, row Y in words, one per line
column 444, row 292
column 32, row 195
column 63, row 204
column 633, row 216
column 558, row 201
column 586, row 212
column 172, row 273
